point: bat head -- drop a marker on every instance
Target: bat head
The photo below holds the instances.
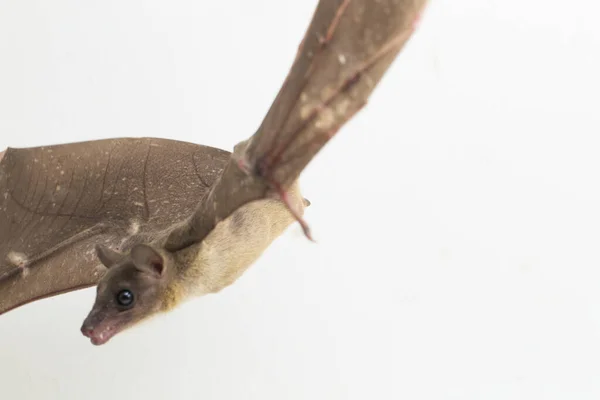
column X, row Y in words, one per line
column 129, row 292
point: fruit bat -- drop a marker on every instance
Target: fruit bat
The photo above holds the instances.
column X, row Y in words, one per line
column 153, row 222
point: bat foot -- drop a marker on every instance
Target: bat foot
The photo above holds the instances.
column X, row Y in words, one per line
column 283, row 195
column 305, row 229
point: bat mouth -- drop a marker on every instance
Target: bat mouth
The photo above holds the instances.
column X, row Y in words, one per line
column 101, row 334
column 100, row 337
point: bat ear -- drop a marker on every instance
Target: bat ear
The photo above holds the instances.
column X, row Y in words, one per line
column 107, row 256
column 146, row 258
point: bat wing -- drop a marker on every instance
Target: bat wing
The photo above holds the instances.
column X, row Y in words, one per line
column 57, row 202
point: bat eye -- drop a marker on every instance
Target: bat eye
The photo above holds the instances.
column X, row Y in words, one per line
column 125, row 298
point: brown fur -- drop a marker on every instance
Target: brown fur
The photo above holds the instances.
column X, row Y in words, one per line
column 160, row 280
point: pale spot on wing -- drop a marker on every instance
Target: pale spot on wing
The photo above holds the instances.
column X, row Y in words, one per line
column 134, row 228
column 17, row 259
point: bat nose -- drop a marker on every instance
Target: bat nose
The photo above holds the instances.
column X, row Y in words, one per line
column 91, row 323
column 87, row 329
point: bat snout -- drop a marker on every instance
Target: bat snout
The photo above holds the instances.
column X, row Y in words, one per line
column 86, row 330
column 98, row 336
column 97, row 330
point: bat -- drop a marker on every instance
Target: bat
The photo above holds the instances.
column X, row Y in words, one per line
column 155, row 222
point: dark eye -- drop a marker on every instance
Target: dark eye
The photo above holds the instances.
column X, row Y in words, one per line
column 125, row 298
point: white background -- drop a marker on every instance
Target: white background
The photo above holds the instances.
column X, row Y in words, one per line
column 457, row 217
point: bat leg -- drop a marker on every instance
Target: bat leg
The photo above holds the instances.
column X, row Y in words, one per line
column 285, row 198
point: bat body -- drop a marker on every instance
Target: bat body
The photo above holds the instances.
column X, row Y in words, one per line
column 154, row 222
column 104, row 198
column 156, row 280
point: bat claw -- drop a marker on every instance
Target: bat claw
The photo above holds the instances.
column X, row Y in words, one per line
column 305, row 229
